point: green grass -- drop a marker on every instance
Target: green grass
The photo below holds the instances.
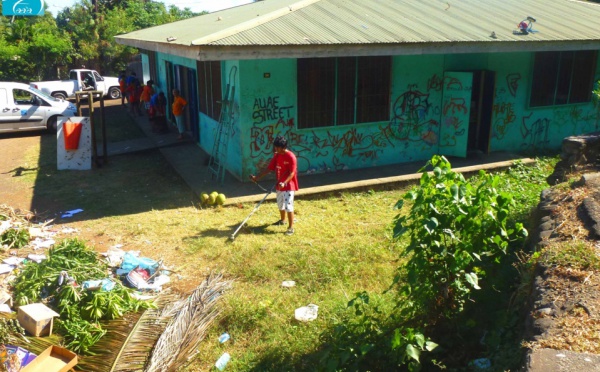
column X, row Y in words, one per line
column 342, row 246
column 576, row 254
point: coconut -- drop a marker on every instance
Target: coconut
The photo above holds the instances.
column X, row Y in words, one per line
column 204, row 197
column 212, row 198
column 221, row 199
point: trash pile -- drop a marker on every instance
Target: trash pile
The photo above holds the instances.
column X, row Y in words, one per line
column 42, row 279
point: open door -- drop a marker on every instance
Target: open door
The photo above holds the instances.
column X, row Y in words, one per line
column 456, row 111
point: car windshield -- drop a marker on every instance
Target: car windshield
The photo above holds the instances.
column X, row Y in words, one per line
column 43, row 94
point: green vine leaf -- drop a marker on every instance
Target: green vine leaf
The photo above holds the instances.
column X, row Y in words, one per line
column 472, row 279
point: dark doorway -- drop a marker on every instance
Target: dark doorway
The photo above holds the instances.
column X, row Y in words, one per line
column 170, row 86
column 480, row 118
column 184, row 79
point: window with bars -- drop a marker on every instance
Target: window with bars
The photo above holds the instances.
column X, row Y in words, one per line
column 561, row 78
column 209, row 87
column 339, row 91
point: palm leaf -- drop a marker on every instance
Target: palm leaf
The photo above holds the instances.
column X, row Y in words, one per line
column 192, row 317
column 128, row 341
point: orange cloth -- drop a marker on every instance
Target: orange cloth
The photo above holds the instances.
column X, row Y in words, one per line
column 178, row 105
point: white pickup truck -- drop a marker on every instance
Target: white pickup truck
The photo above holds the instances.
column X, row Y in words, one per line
column 25, row 108
column 80, row 79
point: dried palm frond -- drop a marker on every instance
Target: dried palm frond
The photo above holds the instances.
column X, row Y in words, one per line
column 128, row 341
column 179, row 342
column 10, row 213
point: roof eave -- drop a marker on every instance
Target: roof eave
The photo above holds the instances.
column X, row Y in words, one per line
column 242, row 52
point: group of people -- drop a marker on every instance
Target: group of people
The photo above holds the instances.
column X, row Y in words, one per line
column 153, row 102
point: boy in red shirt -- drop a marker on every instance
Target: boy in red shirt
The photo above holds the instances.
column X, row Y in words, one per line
column 286, row 172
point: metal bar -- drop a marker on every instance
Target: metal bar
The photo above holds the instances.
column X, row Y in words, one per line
column 232, row 237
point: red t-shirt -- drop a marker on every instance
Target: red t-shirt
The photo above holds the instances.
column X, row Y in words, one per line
column 283, row 165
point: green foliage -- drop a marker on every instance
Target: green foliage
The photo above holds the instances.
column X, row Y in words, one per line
column 456, row 230
column 33, row 48
column 14, row 238
column 81, row 335
column 9, row 329
column 368, row 340
column 80, row 310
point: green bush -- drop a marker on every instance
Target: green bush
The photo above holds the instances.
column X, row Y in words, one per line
column 456, row 232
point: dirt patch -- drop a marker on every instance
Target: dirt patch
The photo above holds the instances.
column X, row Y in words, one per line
column 566, row 310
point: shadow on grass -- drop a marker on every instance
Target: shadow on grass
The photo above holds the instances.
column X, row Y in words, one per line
column 126, row 184
column 19, row 171
column 226, row 234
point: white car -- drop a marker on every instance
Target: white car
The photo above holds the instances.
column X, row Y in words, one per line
column 79, row 80
column 25, row 108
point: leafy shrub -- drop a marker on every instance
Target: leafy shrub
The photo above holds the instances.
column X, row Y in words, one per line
column 456, row 232
column 370, row 339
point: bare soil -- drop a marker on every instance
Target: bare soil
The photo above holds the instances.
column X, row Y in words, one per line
column 566, row 314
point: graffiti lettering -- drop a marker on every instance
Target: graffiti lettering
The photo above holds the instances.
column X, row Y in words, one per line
column 452, row 83
column 457, row 105
column 512, row 80
column 536, row 133
column 410, row 121
column 435, row 83
column 266, row 109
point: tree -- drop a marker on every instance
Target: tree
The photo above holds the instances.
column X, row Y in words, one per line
column 34, row 48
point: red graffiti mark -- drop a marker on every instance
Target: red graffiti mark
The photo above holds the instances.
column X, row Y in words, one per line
column 452, row 83
column 435, row 83
column 456, row 105
column 430, row 137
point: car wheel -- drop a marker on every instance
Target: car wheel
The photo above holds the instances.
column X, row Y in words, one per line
column 59, row 95
column 51, row 124
column 114, row 93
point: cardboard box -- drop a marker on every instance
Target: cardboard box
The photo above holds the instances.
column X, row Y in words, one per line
column 53, row 359
column 37, row 319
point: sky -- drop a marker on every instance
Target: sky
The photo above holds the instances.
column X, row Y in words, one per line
column 55, row 6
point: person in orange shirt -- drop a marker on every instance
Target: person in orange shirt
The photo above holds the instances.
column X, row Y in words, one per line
column 147, row 93
column 179, row 104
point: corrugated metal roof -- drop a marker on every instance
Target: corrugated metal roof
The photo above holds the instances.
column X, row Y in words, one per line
column 270, row 23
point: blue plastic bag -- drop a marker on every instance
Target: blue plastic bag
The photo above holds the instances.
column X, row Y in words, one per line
column 130, row 262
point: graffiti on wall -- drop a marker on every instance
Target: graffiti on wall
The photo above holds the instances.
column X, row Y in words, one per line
column 512, row 81
column 504, row 115
column 411, row 118
column 435, row 83
column 268, row 109
column 503, row 109
column 534, row 132
column 577, row 118
column 322, row 151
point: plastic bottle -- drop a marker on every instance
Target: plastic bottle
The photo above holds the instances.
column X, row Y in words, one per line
column 222, row 362
column 224, row 337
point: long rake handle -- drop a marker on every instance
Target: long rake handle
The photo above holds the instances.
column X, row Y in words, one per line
column 232, row 237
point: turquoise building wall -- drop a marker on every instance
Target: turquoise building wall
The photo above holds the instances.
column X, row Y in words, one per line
column 518, row 127
column 266, row 106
